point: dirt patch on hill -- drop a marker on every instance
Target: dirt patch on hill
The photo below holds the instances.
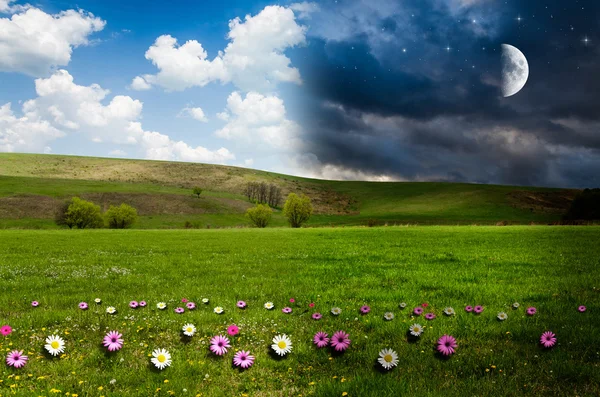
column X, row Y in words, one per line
column 553, row 202
column 32, row 206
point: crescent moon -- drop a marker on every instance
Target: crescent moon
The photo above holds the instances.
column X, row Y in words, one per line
column 515, row 70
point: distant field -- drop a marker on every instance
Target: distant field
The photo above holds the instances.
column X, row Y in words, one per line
column 33, row 186
column 554, row 269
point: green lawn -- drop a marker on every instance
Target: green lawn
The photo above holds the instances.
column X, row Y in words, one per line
column 554, row 269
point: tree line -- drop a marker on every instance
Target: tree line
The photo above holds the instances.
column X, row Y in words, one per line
column 263, row 193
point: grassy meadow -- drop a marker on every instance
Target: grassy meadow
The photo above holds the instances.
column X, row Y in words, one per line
column 554, row 269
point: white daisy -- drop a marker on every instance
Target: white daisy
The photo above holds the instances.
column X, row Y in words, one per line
column 502, row 316
column 218, row 310
column 449, row 311
column 189, row 330
column 205, row 301
column 336, row 311
column 161, row 305
column 516, row 305
column 269, row 305
column 402, row 305
column 416, row 330
column 388, row 358
column 388, row 316
column 55, row 345
column 161, row 358
column 111, row 310
column 282, row 345
column 98, row 300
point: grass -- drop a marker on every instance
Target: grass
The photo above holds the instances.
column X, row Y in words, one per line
column 551, row 268
column 32, row 187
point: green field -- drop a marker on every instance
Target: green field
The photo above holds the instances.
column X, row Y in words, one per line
column 33, row 186
column 554, row 269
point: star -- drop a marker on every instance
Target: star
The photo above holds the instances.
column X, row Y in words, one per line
column 448, row 48
column 585, row 41
column 519, row 19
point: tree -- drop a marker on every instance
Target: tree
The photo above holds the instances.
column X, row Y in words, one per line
column 82, row 214
column 261, row 193
column 120, row 217
column 297, row 209
column 197, row 191
column 60, row 218
column 260, row 216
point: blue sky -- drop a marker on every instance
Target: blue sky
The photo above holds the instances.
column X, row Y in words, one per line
column 407, row 90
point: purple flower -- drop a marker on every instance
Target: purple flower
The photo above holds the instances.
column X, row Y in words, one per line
column 241, row 304
column 340, row 341
column 243, row 359
column 179, row 310
column 133, row 304
column 16, row 359
column 83, row 306
column 143, row 303
column 365, row 309
column 316, row 316
column 548, row 339
column 321, row 339
column 531, row 311
column 190, row 305
column 469, row 309
column 446, row 345
column 113, row 341
column 287, row 310
column 430, row 316
column 418, row 311
column 219, row 345
column 581, row 308
column 35, row 303
column 478, row 309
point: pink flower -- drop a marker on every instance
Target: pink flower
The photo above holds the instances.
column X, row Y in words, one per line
column 184, row 300
column 340, row 341
column 133, row 304
column 321, row 339
column 311, row 305
column 113, row 341
column 446, row 345
column 35, row 303
column 16, row 359
column 143, row 303
column 418, row 311
column 5, row 330
column 424, row 304
column 292, row 300
column 219, row 345
column 548, row 339
column 287, row 310
column 469, row 309
column 190, row 305
column 478, row 309
column 365, row 309
column 243, row 359
column 316, row 316
column 233, row 330
column 241, row 304
column 430, row 316
column 581, row 309
column 179, row 310
column 531, row 311
column 83, row 306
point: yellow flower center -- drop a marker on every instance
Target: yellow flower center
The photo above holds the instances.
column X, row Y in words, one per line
column 282, row 344
column 161, row 358
column 189, row 329
column 387, row 358
column 55, row 345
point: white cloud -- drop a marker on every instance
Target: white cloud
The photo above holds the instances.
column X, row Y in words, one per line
column 304, row 9
column 139, row 84
column 195, row 113
column 249, row 162
column 34, row 43
column 118, row 153
column 223, row 116
column 7, row 8
column 259, row 119
column 63, row 107
column 253, row 60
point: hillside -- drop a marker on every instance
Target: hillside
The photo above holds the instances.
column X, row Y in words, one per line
column 32, row 186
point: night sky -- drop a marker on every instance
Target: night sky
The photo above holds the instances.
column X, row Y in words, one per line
column 410, row 90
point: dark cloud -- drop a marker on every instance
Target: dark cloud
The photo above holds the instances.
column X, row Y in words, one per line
column 387, row 97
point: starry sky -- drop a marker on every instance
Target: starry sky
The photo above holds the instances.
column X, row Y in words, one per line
column 340, row 89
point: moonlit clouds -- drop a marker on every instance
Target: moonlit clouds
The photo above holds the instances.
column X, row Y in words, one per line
column 33, row 42
column 253, row 59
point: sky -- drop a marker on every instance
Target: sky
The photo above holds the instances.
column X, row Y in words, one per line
column 377, row 90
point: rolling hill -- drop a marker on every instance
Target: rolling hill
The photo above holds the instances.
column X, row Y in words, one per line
column 32, row 186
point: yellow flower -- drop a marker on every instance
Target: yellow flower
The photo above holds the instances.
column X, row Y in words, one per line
column 100, row 388
column 344, row 394
column 311, row 384
column 166, row 381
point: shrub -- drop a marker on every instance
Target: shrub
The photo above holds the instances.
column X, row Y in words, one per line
column 197, row 191
column 297, row 209
column 60, row 218
column 586, row 206
column 83, row 214
column 120, row 217
column 260, row 216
